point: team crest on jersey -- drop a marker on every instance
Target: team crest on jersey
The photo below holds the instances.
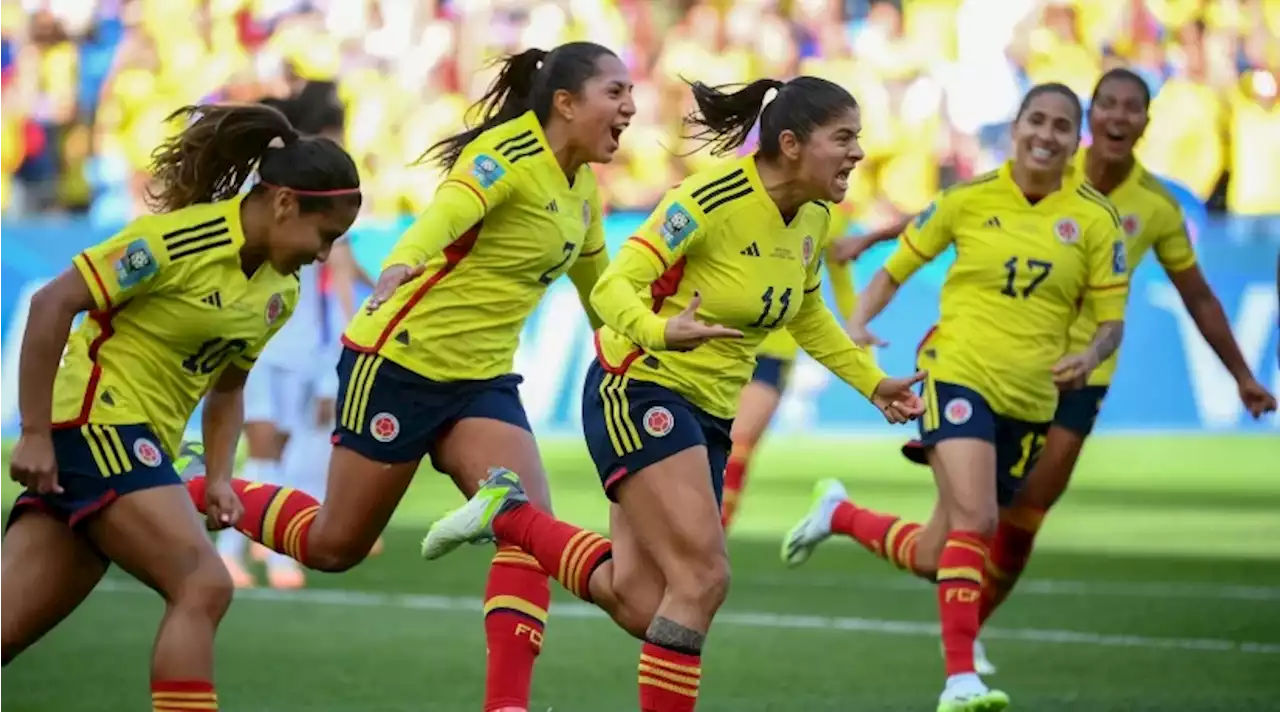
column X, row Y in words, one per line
column 1132, row 225
column 1119, row 260
column 135, row 264
column 958, row 411
column 1068, row 231
column 658, row 421
column 677, row 226
column 275, row 307
column 384, row 427
column 146, row 452
column 806, row 249
column 487, row 170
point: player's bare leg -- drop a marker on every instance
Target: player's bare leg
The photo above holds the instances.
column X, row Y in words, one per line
column 48, row 570
column 756, row 408
column 1019, row 524
column 159, row 538
column 967, row 490
column 517, row 595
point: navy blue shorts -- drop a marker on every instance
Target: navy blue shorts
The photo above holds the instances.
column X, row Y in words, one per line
column 772, row 372
column 96, row 465
column 1078, row 410
column 630, row 425
column 392, row 415
column 956, row 411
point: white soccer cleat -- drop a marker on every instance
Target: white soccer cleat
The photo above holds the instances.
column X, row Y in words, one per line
column 968, row 693
column 815, row 526
column 472, row 523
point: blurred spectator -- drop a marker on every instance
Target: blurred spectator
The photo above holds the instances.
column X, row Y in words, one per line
column 87, row 84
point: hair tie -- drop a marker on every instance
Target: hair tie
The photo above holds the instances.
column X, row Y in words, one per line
column 277, row 142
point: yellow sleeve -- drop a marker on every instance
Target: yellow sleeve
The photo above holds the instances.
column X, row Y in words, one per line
column 1173, row 246
column 842, row 288
column 665, row 237
column 249, row 356
column 479, row 182
column 1107, row 286
column 817, row 332
column 591, row 263
column 125, row 266
column 926, row 237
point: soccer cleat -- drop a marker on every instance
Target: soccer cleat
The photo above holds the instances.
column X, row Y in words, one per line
column 190, row 460
column 472, row 523
column 989, row 701
column 815, row 526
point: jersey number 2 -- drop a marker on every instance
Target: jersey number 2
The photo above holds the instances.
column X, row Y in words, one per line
column 212, row 354
column 550, row 275
column 767, row 298
column 1040, row 271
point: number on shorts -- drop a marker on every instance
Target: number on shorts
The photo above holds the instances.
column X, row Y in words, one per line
column 550, row 275
column 1031, row 444
column 213, row 354
column 767, row 298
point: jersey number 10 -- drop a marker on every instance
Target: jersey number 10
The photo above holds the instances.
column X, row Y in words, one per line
column 212, row 354
column 767, row 298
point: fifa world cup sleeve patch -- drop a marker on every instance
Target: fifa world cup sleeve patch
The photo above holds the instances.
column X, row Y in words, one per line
column 1119, row 262
column 925, row 214
column 677, row 226
column 487, row 171
column 135, row 264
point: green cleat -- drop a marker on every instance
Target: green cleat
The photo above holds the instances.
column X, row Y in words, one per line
column 815, row 526
column 190, row 460
column 989, row 701
column 472, row 523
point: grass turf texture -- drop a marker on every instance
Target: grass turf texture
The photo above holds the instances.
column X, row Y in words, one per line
column 1155, row 587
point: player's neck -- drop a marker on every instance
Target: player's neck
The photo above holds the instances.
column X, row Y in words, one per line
column 1035, row 184
column 254, row 222
column 784, row 190
column 1105, row 175
column 565, row 155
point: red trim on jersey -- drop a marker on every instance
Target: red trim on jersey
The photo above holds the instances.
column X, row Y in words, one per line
column 453, row 254
column 912, row 247
column 106, row 331
column 97, row 278
column 604, row 363
column 925, row 339
column 652, row 249
column 469, row 187
column 661, row 288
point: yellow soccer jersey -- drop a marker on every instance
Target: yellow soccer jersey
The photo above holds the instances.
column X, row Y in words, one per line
column 505, row 223
column 780, row 344
column 173, row 309
column 1021, row 273
column 719, row 234
column 1151, row 218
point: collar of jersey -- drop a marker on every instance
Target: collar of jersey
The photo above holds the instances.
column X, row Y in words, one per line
column 529, row 120
column 1072, row 178
column 1135, row 173
column 236, row 231
column 748, row 165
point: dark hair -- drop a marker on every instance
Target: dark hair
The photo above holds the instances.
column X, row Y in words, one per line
column 1123, row 74
column 1052, row 88
column 723, row 120
column 528, row 80
column 222, row 144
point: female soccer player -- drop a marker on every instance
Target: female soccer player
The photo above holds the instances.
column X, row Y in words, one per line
column 427, row 370
column 737, row 245
column 776, row 359
column 1152, row 220
column 1032, row 240
column 179, row 305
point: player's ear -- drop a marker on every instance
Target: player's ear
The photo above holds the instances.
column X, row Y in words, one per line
column 284, row 205
column 562, row 103
column 789, row 144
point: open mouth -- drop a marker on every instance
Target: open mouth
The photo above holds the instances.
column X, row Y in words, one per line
column 616, row 131
column 1040, row 153
column 842, row 178
column 1115, row 134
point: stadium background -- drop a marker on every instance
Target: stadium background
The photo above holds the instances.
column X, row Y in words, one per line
column 1157, row 584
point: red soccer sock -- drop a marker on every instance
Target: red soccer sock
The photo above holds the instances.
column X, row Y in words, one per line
column 959, row 597
column 569, row 553
column 668, row 679
column 1010, row 552
column 515, row 615
column 885, row 535
column 279, row 518
column 183, row 696
column 735, row 479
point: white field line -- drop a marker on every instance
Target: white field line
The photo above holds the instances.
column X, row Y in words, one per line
column 748, row 619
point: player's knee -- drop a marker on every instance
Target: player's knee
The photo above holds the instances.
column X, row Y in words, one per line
column 971, row 517
column 207, row 589
column 335, row 556
column 702, row 582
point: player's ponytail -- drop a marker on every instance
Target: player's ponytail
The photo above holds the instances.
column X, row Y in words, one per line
column 222, row 145
column 527, row 81
column 723, row 120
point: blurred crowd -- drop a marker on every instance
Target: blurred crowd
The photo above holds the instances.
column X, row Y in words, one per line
column 87, row 83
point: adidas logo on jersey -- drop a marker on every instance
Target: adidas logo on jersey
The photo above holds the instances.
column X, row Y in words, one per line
column 992, row 222
column 214, row 299
column 553, row 207
column 403, row 337
column 752, row 250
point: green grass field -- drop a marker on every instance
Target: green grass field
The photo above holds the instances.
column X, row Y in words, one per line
column 1156, row 587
